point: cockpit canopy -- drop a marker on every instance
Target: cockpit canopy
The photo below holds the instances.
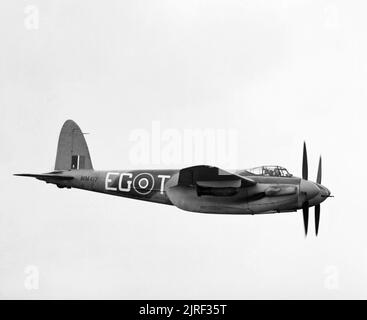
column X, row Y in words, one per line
column 273, row 171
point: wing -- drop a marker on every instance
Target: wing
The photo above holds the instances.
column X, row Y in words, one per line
column 207, row 176
column 208, row 189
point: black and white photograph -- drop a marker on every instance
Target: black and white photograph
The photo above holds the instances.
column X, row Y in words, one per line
column 183, row 150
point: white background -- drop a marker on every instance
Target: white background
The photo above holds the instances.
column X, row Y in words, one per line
column 277, row 72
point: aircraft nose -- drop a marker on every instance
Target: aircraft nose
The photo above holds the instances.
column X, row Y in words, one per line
column 309, row 188
column 325, row 192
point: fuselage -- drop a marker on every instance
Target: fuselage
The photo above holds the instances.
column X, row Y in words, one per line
column 269, row 195
column 147, row 185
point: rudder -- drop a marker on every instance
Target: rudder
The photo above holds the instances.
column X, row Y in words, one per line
column 72, row 150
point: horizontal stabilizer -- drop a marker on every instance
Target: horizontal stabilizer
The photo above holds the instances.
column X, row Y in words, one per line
column 46, row 176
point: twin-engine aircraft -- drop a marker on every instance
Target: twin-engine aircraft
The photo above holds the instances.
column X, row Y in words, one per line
column 204, row 189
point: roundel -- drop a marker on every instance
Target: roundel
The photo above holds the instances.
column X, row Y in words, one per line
column 143, row 183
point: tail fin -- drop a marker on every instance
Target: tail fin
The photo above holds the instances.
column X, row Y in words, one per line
column 72, row 150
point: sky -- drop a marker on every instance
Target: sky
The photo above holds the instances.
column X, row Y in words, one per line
column 263, row 76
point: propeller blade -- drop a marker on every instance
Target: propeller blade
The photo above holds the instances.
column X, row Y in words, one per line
column 317, row 218
column 304, row 163
column 305, row 217
column 319, row 172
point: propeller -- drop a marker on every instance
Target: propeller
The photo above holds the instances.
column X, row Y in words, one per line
column 317, row 218
column 319, row 172
column 305, row 206
column 305, row 176
column 304, row 163
column 317, row 207
column 305, row 216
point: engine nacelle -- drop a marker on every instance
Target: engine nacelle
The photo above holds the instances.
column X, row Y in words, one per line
column 218, row 192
